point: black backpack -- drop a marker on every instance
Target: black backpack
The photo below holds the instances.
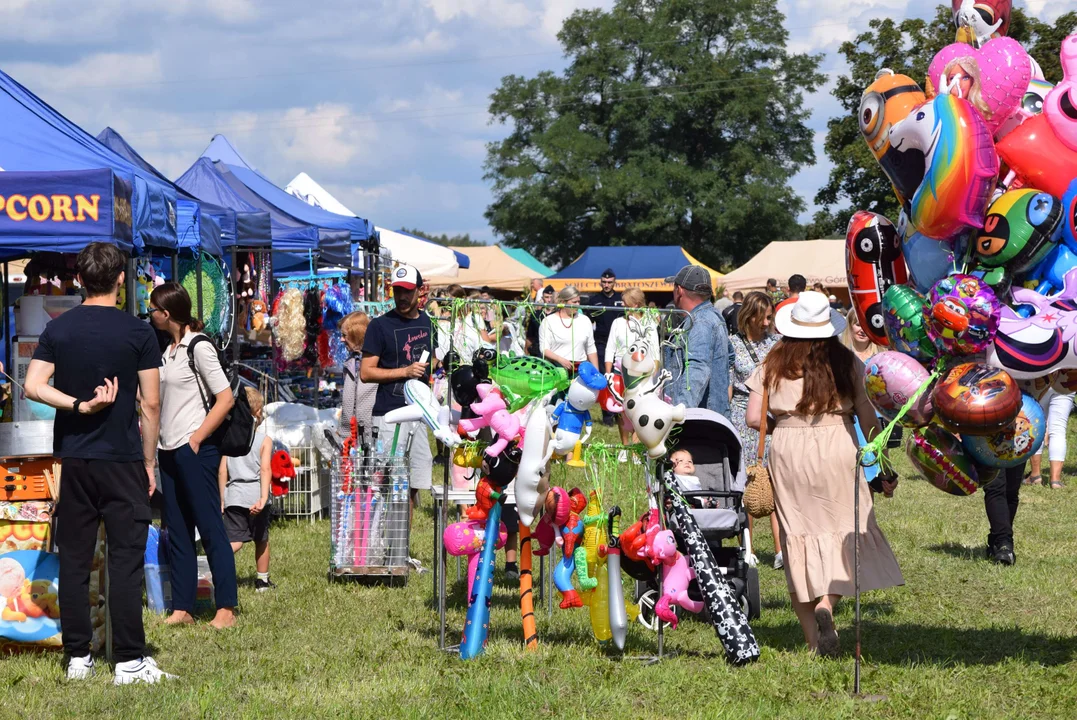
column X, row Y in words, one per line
column 235, row 436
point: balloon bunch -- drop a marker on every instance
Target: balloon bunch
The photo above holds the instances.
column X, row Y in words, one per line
column 990, row 296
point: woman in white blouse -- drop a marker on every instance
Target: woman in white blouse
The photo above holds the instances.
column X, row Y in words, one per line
column 193, row 406
column 567, row 337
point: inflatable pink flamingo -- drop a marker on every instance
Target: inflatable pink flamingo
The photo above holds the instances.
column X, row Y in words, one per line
column 662, row 549
column 465, row 539
column 1060, row 106
column 494, row 413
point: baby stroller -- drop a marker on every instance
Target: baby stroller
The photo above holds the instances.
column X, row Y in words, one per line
column 716, row 508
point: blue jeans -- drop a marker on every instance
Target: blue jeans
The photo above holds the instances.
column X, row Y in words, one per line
column 193, row 499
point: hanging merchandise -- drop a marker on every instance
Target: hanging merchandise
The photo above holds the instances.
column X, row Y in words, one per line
column 312, row 314
column 216, row 305
column 289, row 325
column 338, row 304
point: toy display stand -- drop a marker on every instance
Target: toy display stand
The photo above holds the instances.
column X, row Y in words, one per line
column 677, row 321
column 370, row 518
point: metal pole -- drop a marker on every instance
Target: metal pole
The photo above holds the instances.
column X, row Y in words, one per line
column 856, row 578
column 175, row 267
column 235, row 312
column 442, row 566
column 198, row 284
column 132, row 287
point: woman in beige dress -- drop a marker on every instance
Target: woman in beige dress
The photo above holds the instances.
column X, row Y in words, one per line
column 815, row 388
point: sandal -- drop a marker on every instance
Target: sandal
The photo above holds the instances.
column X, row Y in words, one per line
column 1056, row 484
column 1034, row 480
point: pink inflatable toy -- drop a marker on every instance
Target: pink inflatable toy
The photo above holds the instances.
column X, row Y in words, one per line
column 465, row 538
column 1060, row 106
column 993, row 79
column 494, row 413
column 662, row 549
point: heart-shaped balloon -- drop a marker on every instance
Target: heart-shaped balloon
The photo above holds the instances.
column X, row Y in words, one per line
column 1039, row 157
column 994, row 78
column 1060, row 106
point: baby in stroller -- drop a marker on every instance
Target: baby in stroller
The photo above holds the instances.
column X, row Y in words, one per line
column 706, row 462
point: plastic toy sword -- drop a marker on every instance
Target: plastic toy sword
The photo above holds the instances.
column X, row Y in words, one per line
column 477, row 624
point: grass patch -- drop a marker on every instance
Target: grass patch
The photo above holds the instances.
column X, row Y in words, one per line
column 962, row 639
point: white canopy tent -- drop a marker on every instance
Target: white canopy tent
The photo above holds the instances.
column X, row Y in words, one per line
column 428, row 258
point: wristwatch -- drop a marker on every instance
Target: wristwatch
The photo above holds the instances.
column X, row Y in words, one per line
column 75, row 406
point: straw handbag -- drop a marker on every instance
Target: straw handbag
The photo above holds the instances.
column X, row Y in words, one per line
column 758, row 493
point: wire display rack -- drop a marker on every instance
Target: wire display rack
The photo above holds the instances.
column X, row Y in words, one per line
column 370, row 518
column 308, row 492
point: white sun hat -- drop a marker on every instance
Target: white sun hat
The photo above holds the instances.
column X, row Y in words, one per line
column 809, row 318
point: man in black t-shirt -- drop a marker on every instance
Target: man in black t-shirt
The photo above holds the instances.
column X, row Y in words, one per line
column 398, row 348
column 603, row 319
column 100, row 360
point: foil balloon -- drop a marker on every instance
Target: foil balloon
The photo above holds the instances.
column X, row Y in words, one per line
column 942, row 461
column 993, row 79
column 976, row 399
column 873, row 262
column 1021, row 228
column 960, row 165
column 1060, row 106
column 903, row 318
column 1037, row 156
column 928, row 260
column 1042, row 342
column 1048, row 276
column 978, row 21
column 888, row 100
column 1031, row 104
column 962, row 314
column 1013, row 445
column 890, row 379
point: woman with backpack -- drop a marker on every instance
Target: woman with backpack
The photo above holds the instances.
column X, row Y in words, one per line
column 196, row 397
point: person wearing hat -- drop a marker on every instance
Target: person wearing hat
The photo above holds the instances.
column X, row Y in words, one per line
column 607, row 297
column 699, row 358
column 814, row 389
column 397, row 348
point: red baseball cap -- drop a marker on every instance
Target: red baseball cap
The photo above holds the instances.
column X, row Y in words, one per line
column 407, row 277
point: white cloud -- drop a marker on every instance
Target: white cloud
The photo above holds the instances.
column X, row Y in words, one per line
column 501, row 13
column 88, row 72
column 329, row 135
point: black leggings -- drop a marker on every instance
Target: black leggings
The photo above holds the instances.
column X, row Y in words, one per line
column 1000, row 501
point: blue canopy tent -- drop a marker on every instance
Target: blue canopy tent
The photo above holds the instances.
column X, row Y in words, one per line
column 36, row 138
column 223, row 152
column 247, row 230
column 204, row 181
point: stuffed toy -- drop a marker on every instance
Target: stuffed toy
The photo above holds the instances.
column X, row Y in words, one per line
column 283, row 470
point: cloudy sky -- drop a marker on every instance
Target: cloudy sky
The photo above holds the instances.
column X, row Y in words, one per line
column 381, row 101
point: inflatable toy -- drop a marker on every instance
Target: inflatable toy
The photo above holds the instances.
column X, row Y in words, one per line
column 676, row 576
column 498, row 471
column 960, row 165
column 903, row 316
column 890, row 379
column 564, row 508
column 961, row 315
column 1013, row 445
column 978, row 21
column 976, row 399
column 1037, row 156
column 522, row 379
column 873, row 263
column 650, row 414
column 1043, row 342
column 527, row 597
column 531, row 478
column 928, row 260
column 888, row 100
column 477, row 624
column 493, row 413
column 1048, row 277
column 422, row 405
column 1060, row 107
column 1021, row 228
column 993, row 78
column 942, row 461
column 465, row 539
column 572, row 416
column 615, row 588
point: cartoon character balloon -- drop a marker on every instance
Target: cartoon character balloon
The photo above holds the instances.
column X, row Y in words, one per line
column 976, row 399
column 1043, row 342
column 1048, row 276
column 890, row 379
column 962, row 314
column 903, row 315
column 928, row 260
column 887, row 101
column 1019, row 231
column 960, row 165
column 873, row 262
column 942, row 461
column 978, row 21
column 1013, row 445
column 993, row 79
column 1061, row 104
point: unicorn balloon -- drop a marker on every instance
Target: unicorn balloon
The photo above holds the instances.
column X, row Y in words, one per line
column 960, row 165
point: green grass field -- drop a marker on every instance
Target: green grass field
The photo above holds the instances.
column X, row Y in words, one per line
column 962, row 639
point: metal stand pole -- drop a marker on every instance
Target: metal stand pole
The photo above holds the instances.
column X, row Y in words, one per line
column 198, row 283
column 856, row 578
column 175, row 267
column 440, row 559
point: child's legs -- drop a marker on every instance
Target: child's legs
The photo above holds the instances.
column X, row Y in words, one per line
column 261, row 555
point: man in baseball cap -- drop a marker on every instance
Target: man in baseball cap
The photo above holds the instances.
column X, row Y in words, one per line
column 407, row 277
column 699, row 358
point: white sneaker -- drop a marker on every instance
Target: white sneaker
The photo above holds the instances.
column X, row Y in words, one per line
column 778, row 562
column 636, row 460
column 140, row 671
column 752, row 560
column 417, row 565
column 80, row 668
column 622, row 456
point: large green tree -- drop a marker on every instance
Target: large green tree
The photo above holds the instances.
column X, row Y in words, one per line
column 676, row 122
column 856, row 182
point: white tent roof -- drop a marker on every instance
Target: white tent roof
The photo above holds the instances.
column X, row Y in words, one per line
column 817, row 260
column 428, row 258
